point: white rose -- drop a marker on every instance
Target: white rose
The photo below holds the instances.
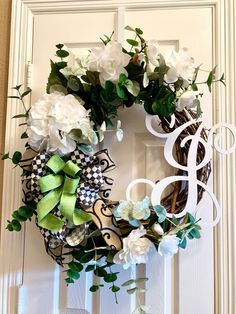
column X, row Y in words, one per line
column 109, row 61
column 180, row 64
column 186, row 100
column 135, row 249
column 169, row 245
column 52, row 118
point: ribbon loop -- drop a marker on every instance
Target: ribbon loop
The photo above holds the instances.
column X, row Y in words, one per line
column 50, row 182
column 56, row 164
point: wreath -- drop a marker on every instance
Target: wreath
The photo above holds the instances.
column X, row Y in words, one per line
column 66, row 184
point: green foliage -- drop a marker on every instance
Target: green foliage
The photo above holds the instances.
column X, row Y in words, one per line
column 16, row 158
column 95, row 288
column 22, row 214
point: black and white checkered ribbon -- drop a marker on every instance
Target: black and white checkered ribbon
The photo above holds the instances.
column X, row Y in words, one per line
column 93, row 184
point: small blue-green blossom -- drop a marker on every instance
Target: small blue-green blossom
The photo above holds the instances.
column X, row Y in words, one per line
column 133, row 211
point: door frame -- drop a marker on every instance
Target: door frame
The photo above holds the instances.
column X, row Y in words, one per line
column 224, row 55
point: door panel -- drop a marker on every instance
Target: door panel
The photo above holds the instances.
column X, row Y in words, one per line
column 175, row 286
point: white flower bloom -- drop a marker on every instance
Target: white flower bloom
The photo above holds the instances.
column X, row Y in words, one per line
column 52, row 118
column 181, row 66
column 135, row 249
column 156, row 228
column 169, row 245
column 186, row 100
column 152, row 51
column 109, row 61
column 74, row 66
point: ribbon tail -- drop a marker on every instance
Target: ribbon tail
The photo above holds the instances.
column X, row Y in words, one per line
column 47, row 203
column 51, row 222
column 67, row 205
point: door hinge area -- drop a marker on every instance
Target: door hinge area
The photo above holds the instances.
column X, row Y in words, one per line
column 29, row 74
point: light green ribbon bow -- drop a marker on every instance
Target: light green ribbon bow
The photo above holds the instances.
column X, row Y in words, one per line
column 61, row 189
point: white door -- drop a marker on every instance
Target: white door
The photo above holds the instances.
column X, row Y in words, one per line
column 182, row 285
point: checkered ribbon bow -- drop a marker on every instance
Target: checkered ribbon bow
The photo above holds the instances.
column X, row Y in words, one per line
column 92, row 182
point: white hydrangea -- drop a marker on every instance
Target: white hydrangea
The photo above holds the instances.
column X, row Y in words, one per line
column 109, row 60
column 186, row 100
column 52, row 120
column 180, row 64
column 135, row 249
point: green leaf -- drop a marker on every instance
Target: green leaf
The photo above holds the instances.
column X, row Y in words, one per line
column 87, row 257
column 16, row 158
column 195, row 233
column 17, row 87
column 100, row 272
column 138, row 31
column 132, row 42
column 17, row 216
column 78, row 255
column 80, row 217
column 74, row 83
column 160, row 212
column 110, row 277
column 183, row 243
column 28, row 91
column 14, row 97
column 9, row 227
column 120, row 91
column 73, row 274
column 128, row 283
column 115, row 289
column 131, row 291
column 89, row 268
column 60, row 46
column 24, row 135
column 58, row 88
column 5, row 156
column 138, row 280
column 210, row 78
column 129, row 28
column 16, row 225
column 77, row 267
column 122, row 78
column 191, row 218
column 69, row 280
column 175, row 220
column 194, row 87
column 197, row 104
column 94, row 288
column 62, row 53
column 22, row 115
column 26, row 211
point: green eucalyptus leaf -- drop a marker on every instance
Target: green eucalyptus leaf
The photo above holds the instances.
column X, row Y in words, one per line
column 5, row 156
column 73, row 274
column 27, row 92
column 24, row 135
column 183, row 243
column 138, row 31
column 129, row 28
column 100, row 272
column 69, row 280
column 115, row 289
column 89, row 268
column 21, row 115
column 62, row 53
column 132, row 42
column 94, row 288
column 120, row 91
column 131, row 291
column 87, row 257
column 76, row 266
column 60, row 46
column 16, row 158
column 110, row 277
column 26, row 211
column 16, row 225
column 9, row 227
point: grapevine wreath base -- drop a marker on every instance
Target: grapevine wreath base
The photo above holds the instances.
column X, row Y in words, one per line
column 107, row 232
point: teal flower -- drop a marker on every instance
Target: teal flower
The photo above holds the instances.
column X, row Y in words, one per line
column 133, row 211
